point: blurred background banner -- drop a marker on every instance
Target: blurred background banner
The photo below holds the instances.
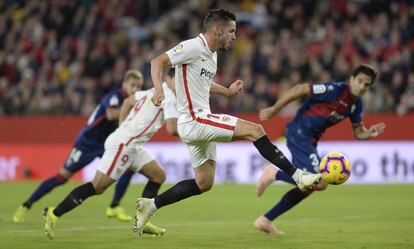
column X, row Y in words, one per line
column 32, row 161
column 372, row 162
column 36, row 148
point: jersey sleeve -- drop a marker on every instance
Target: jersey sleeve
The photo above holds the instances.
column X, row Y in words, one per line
column 138, row 95
column 170, row 105
column 325, row 92
column 112, row 100
column 184, row 53
column 356, row 114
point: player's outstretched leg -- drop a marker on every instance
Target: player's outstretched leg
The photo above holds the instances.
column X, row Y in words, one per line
column 306, row 180
column 45, row 187
column 114, row 210
column 265, row 225
column 288, row 201
column 246, row 130
column 150, row 191
column 266, row 179
column 145, row 210
column 20, row 213
column 50, row 221
column 74, row 199
column 146, row 207
column 269, row 151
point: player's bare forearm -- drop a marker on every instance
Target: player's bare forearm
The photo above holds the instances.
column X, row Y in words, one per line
column 171, row 125
column 126, row 108
column 235, row 88
column 362, row 133
column 219, row 90
column 157, row 68
column 291, row 95
column 112, row 113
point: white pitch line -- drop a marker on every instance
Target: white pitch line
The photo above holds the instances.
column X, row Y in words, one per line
column 179, row 224
column 338, row 218
column 71, row 229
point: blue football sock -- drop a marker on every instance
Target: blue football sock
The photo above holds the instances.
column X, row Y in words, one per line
column 282, row 176
column 289, row 200
column 121, row 187
column 44, row 188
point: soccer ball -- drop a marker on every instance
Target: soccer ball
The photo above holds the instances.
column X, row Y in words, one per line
column 335, row 168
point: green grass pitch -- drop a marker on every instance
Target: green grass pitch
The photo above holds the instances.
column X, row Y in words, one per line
column 349, row 216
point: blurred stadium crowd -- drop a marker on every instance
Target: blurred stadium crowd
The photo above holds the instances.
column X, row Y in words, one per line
column 62, row 56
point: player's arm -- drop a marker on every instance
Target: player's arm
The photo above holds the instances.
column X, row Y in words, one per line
column 291, row 95
column 362, row 133
column 112, row 113
column 126, row 107
column 157, row 68
column 235, row 88
column 112, row 107
column 171, row 125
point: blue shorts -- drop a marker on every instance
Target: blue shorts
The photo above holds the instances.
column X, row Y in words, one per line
column 81, row 157
column 304, row 154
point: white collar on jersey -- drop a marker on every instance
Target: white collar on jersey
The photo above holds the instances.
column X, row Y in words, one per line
column 203, row 39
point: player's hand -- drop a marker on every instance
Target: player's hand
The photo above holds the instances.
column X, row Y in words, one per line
column 236, row 87
column 376, row 129
column 266, row 113
column 157, row 98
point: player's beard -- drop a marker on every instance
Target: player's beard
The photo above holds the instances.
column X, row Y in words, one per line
column 223, row 46
column 222, row 42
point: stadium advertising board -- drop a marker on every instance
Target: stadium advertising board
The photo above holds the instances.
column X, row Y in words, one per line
column 372, row 162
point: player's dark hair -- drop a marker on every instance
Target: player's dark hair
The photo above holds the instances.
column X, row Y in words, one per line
column 367, row 70
column 218, row 17
column 171, row 72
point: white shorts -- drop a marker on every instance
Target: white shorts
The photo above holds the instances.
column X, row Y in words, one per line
column 201, row 134
column 118, row 157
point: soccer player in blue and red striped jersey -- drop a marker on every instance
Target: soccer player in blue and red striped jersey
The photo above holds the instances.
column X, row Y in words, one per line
column 90, row 145
column 328, row 104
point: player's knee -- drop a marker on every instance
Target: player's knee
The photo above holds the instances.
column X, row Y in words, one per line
column 61, row 178
column 99, row 186
column 159, row 177
column 64, row 175
column 99, row 190
column 257, row 131
column 205, row 186
column 163, row 177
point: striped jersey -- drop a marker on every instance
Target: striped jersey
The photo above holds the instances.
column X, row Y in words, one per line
column 144, row 119
column 330, row 103
column 196, row 66
column 98, row 127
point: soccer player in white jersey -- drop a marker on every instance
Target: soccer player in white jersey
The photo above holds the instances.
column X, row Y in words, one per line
column 139, row 120
column 195, row 61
